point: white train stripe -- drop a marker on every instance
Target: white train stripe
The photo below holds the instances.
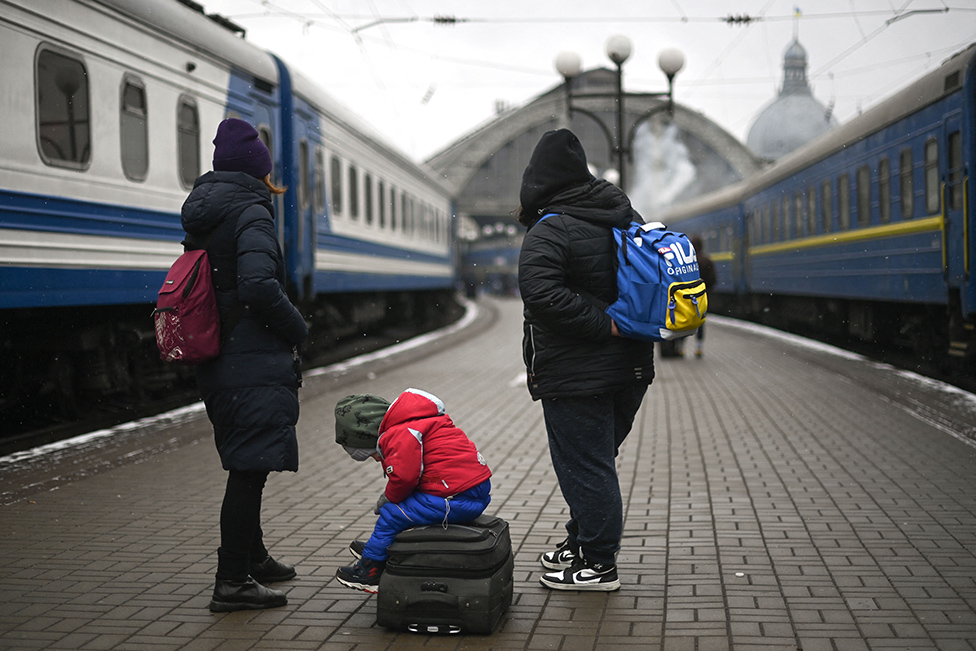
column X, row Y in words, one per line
column 69, row 250
column 368, row 264
column 73, row 251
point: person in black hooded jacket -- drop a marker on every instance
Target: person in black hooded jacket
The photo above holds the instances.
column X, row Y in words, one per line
column 591, row 381
column 251, row 389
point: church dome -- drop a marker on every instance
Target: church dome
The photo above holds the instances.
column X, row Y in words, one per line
column 795, row 117
column 796, row 52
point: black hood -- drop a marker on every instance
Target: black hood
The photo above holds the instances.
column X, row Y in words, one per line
column 558, row 163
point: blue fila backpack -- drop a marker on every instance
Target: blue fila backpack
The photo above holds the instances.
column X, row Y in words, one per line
column 661, row 295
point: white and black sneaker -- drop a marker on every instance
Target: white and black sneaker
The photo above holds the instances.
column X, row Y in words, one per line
column 561, row 558
column 583, row 576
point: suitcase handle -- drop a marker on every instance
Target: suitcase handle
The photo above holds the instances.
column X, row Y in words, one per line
column 433, row 586
column 438, row 599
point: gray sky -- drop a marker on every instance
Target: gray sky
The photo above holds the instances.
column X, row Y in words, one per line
column 423, row 85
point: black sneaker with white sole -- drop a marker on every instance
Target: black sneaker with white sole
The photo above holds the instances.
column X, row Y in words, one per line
column 356, row 548
column 364, row 575
column 583, row 575
column 560, row 558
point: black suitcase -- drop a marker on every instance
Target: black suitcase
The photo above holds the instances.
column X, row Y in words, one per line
column 456, row 579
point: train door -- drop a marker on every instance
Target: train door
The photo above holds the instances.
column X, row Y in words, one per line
column 953, row 202
column 302, row 246
column 295, row 151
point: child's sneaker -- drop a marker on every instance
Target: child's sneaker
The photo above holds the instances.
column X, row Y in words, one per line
column 364, row 575
column 356, row 548
column 583, row 575
column 560, row 558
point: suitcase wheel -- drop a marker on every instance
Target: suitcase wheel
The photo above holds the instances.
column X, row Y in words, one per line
column 433, row 628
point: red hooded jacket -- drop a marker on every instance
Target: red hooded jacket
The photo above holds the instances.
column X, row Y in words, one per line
column 424, row 450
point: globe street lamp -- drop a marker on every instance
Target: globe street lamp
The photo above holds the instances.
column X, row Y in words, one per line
column 619, row 48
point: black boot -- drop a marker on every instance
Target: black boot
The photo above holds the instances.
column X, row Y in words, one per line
column 247, row 595
column 271, row 571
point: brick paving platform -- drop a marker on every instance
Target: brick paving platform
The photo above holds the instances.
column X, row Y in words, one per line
column 777, row 496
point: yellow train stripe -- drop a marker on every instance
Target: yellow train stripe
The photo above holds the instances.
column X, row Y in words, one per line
column 906, row 227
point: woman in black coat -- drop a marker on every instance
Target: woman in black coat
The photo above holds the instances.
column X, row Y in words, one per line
column 591, row 381
column 251, row 388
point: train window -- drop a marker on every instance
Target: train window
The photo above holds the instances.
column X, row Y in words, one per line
column 381, row 193
column 811, row 210
column 765, row 228
column 786, row 218
column 404, row 211
column 63, row 111
column 863, row 195
column 188, row 139
column 335, row 171
column 798, row 214
column 844, row 201
column 353, row 192
column 304, row 196
column 318, row 182
column 368, row 196
column 775, row 235
column 884, row 190
column 393, row 208
column 907, row 184
column 134, row 131
column 827, row 205
column 264, row 135
column 955, row 170
column 932, row 176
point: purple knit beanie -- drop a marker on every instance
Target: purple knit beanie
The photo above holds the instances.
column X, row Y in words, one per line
column 237, row 148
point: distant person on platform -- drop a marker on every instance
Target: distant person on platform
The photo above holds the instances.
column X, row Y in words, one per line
column 706, row 268
column 591, row 381
column 251, row 388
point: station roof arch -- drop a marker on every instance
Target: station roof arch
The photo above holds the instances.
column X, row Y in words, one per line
column 484, row 168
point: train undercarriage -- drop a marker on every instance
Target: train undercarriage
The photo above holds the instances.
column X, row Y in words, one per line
column 62, row 366
column 930, row 339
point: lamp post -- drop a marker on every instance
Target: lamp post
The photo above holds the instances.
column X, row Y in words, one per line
column 619, row 48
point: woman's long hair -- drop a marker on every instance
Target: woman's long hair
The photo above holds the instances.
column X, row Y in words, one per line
column 272, row 187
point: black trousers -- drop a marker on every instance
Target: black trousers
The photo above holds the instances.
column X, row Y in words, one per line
column 584, row 435
column 241, row 538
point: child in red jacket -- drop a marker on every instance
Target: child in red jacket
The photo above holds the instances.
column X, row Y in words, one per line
column 434, row 472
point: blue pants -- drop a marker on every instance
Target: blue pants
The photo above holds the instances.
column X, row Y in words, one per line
column 421, row 509
column 584, row 435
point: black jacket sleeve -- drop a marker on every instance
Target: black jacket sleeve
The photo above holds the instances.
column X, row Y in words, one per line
column 544, row 264
column 258, row 286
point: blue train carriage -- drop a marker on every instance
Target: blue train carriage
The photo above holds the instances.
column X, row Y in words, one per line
column 877, row 214
column 867, row 231
column 369, row 233
column 717, row 219
column 108, row 112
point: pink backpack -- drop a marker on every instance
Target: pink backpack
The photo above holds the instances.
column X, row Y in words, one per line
column 187, row 321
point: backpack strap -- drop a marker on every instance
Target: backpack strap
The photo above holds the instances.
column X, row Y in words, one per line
column 237, row 309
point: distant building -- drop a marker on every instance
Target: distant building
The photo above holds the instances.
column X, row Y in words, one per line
column 795, row 117
column 677, row 155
